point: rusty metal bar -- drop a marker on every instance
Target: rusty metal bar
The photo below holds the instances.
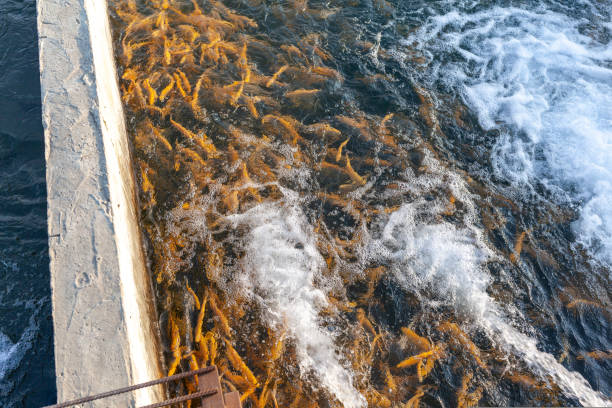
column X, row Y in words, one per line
column 176, row 400
column 208, row 381
column 133, row 388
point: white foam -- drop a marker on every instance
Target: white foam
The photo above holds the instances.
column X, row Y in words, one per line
column 438, row 256
column 11, row 355
column 282, row 263
column 571, row 382
column 449, row 262
column 548, row 88
column 8, row 350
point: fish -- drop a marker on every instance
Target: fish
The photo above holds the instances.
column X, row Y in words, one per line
column 518, row 247
column 414, row 401
column 244, row 64
column 179, row 86
column 251, row 106
column 159, row 137
column 151, row 91
column 339, row 153
column 292, row 50
column 389, row 380
column 166, row 90
column 199, row 140
column 387, row 118
column 421, row 342
column 275, row 76
column 191, row 292
column 193, row 156
column 221, row 318
column 247, row 394
column 174, row 347
column 263, row 396
column 285, row 124
column 189, row 31
column 193, row 365
column 596, row 355
column 353, row 174
column 459, row 336
column 376, row 399
column 414, row 359
column 238, row 93
column 326, row 72
column 239, row 364
column 212, row 347
column 301, row 92
column 184, row 81
column 465, row 399
column 202, row 312
column 167, row 56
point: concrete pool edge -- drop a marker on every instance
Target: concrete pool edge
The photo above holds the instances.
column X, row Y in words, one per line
column 105, row 333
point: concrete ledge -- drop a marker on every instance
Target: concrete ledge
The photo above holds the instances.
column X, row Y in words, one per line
column 104, row 320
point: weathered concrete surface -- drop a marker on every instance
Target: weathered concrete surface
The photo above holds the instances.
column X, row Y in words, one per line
column 105, row 337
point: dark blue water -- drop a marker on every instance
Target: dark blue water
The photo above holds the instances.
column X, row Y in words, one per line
column 27, row 372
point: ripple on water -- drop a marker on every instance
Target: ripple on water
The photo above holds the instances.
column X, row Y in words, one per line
column 27, row 375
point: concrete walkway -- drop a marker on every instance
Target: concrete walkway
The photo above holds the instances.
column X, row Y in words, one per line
column 105, row 335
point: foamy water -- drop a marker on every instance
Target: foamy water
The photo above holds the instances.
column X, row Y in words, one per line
column 7, row 356
column 449, row 262
column 412, row 215
column 431, row 256
column 282, row 263
column 11, row 355
column 547, row 87
column 12, row 352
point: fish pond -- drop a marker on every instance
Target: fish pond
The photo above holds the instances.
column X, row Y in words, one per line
column 376, row 203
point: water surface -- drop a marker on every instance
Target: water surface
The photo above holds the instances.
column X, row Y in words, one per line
column 27, row 376
column 376, row 203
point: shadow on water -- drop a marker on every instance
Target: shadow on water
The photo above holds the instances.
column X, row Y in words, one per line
column 27, row 372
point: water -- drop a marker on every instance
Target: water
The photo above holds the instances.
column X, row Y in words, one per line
column 378, row 202
column 27, row 376
column 542, row 77
column 285, row 262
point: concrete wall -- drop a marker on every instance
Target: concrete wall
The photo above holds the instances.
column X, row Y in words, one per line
column 105, row 331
